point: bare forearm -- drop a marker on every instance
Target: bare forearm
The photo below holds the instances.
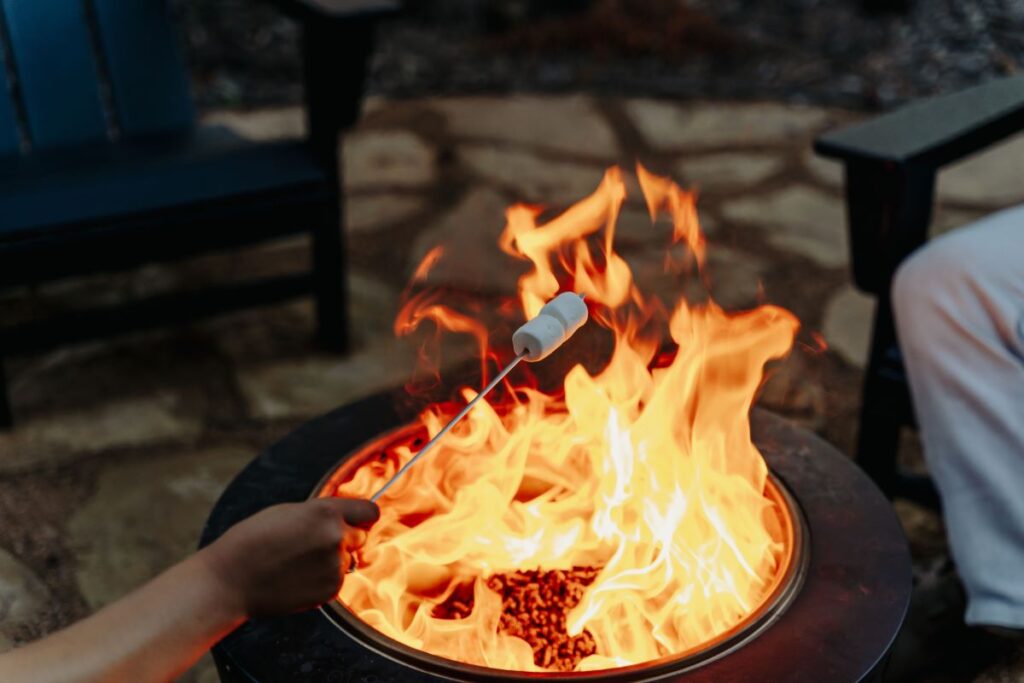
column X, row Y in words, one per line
column 283, row 559
column 153, row 634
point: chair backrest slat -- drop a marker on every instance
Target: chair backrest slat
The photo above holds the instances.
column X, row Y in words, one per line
column 148, row 79
column 53, row 57
column 9, row 137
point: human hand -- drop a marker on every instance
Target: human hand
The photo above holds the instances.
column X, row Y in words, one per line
column 289, row 557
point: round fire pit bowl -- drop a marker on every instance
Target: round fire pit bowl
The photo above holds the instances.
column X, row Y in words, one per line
column 833, row 618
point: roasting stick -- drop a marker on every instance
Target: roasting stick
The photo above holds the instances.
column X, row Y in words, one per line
column 444, row 430
column 537, row 339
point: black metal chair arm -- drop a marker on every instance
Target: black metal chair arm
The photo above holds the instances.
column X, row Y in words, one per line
column 891, row 162
column 934, row 132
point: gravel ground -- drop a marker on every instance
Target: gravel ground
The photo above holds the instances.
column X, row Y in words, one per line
column 816, row 51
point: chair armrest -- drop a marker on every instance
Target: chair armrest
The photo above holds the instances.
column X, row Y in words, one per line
column 890, row 165
column 933, row 132
column 307, row 10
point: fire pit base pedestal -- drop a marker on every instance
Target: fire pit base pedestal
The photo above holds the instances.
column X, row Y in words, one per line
column 839, row 627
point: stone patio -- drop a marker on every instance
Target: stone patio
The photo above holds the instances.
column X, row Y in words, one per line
column 122, row 446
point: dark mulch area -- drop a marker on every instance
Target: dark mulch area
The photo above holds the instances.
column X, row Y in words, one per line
column 831, row 52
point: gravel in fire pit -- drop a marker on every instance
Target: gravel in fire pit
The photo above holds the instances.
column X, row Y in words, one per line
column 535, row 604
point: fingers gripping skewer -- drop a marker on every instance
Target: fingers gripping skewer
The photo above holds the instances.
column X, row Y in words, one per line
column 537, row 339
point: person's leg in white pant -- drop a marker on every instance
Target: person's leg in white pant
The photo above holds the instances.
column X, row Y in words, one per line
column 959, row 308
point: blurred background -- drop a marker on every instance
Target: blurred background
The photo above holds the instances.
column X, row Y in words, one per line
column 867, row 55
column 121, row 445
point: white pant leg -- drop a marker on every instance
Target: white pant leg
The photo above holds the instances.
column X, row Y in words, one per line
column 959, row 308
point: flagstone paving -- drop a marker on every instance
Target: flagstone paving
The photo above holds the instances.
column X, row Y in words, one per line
column 729, row 170
column 387, row 159
column 122, row 446
column 669, row 125
column 146, row 514
column 796, row 220
column 845, row 326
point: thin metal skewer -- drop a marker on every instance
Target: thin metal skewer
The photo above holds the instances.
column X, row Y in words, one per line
column 462, row 413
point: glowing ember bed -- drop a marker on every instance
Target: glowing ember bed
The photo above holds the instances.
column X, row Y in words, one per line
column 614, row 517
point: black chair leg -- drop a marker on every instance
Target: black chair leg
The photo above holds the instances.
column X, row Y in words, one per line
column 877, row 453
column 877, row 447
column 885, row 409
column 6, row 420
column 880, row 420
column 330, row 286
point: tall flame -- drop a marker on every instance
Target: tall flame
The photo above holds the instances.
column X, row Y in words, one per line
column 645, row 469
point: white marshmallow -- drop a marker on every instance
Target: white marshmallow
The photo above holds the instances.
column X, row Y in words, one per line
column 556, row 322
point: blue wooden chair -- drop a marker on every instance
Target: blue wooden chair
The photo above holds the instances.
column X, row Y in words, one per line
column 103, row 167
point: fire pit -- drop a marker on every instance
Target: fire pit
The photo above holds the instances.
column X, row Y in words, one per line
column 621, row 523
column 834, row 621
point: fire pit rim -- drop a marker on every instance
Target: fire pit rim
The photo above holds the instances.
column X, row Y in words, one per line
column 787, row 584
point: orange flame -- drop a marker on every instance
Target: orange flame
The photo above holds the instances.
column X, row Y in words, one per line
column 428, row 263
column 645, row 469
